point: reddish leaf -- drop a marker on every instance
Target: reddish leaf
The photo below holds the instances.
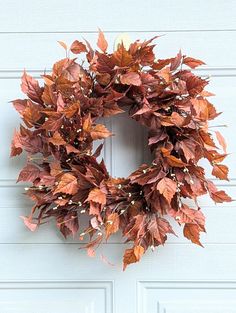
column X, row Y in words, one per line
column 27, row 221
column 102, row 43
column 192, row 232
column 29, row 173
column 67, row 184
column 220, row 171
column 96, row 195
column 99, row 132
column 193, row 63
column 78, row 47
column 57, row 139
column 31, row 88
column 132, row 255
column 221, row 141
column 167, row 187
column 131, row 78
column 112, row 224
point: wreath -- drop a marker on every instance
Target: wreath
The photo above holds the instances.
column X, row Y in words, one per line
column 68, row 180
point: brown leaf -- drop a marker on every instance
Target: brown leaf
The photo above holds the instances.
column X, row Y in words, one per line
column 78, row 47
column 172, row 160
column 122, row 57
column 131, row 78
column 62, row 44
column 187, row 215
column 192, row 232
column 193, row 63
column 67, row 184
column 96, row 195
column 31, row 88
column 102, row 43
column 28, row 223
column 99, row 132
column 220, row 171
column 132, row 255
column 57, row 139
column 29, row 173
column 221, row 141
column 167, row 187
column 112, row 224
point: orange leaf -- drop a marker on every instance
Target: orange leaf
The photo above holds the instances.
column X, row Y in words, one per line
column 132, row 255
column 99, row 132
column 193, row 63
column 96, row 195
column 62, row 44
column 112, row 224
column 68, row 184
column 57, row 139
column 167, row 187
column 78, row 47
column 31, row 88
column 221, row 141
column 28, row 223
column 102, row 43
column 220, row 171
column 192, row 232
column 131, row 78
column 122, row 57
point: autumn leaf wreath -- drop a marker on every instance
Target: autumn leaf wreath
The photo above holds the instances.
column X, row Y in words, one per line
column 60, row 126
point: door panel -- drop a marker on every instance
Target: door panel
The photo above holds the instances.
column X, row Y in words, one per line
column 42, row 272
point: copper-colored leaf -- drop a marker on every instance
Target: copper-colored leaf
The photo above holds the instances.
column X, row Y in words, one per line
column 130, row 78
column 192, row 232
column 30, row 86
column 78, row 47
column 28, row 223
column 99, row 132
column 67, row 184
column 220, row 171
column 102, row 43
column 57, row 139
column 221, row 141
column 97, row 195
column 191, row 62
column 167, row 187
column 112, row 224
column 132, row 255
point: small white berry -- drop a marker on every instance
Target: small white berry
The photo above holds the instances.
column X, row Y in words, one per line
column 99, row 234
column 60, row 198
column 55, row 207
column 82, row 234
column 46, row 118
column 144, row 171
column 79, row 203
column 122, row 211
column 82, row 211
column 119, row 186
column 129, row 194
column 26, row 188
column 177, row 218
column 70, row 202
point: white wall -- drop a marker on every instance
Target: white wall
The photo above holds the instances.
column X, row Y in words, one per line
column 42, row 273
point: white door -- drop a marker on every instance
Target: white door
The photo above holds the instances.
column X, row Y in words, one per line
column 42, row 273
